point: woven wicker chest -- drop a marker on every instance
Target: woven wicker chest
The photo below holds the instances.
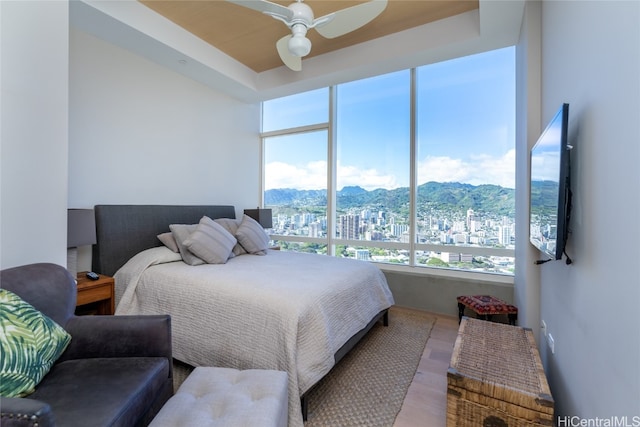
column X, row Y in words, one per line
column 496, row 379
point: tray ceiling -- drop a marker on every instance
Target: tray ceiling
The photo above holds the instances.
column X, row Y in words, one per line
column 250, row 37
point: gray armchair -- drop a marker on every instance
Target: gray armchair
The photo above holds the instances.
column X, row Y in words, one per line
column 116, row 371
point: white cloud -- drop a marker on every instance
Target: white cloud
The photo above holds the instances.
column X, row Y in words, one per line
column 369, row 179
column 312, row 176
column 481, row 169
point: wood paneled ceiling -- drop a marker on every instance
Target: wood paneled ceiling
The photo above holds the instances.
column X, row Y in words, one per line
column 250, row 37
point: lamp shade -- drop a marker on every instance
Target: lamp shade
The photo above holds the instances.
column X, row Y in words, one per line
column 81, row 227
column 263, row 216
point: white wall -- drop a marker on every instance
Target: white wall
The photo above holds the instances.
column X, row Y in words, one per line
column 143, row 134
column 591, row 59
column 33, row 151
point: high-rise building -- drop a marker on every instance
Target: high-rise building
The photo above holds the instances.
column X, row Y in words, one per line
column 470, row 218
column 349, row 227
column 314, row 229
column 398, row 229
column 504, row 235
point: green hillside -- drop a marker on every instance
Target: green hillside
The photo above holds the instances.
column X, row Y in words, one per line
column 431, row 195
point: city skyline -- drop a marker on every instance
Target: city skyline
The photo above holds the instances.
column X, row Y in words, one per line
column 477, row 212
column 456, row 235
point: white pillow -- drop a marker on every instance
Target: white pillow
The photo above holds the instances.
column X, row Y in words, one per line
column 231, row 225
column 169, row 241
column 181, row 232
column 211, row 242
column 252, row 236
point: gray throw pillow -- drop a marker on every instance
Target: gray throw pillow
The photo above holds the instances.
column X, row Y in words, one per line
column 181, row 232
column 231, row 225
column 252, row 236
column 211, row 242
column 168, row 240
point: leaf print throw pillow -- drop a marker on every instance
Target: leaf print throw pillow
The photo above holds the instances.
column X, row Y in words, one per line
column 30, row 343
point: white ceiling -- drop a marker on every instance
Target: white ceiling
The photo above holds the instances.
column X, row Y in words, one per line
column 135, row 27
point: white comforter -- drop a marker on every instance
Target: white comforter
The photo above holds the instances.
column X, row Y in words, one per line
column 286, row 311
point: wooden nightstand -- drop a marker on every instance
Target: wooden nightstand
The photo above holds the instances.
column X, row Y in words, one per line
column 95, row 296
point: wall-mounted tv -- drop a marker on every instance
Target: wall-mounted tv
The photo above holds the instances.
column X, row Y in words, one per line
column 550, row 188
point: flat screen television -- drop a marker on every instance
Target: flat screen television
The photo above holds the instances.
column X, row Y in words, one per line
column 550, row 189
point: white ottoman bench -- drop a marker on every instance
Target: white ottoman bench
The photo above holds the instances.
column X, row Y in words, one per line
column 212, row 397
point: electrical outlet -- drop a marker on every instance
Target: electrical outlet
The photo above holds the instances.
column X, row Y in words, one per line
column 552, row 343
column 543, row 327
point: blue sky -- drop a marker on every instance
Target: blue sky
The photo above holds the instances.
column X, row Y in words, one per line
column 465, row 128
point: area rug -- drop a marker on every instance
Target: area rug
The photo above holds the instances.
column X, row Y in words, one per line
column 369, row 384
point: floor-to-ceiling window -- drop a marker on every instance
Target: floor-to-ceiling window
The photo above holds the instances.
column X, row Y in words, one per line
column 296, row 166
column 414, row 167
column 465, row 154
column 373, row 148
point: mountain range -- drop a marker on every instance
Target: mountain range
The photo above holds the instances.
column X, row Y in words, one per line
column 431, row 195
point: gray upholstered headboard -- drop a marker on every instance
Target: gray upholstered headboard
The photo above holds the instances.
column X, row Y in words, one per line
column 124, row 230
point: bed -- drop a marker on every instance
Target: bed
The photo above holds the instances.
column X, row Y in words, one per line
column 300, row 313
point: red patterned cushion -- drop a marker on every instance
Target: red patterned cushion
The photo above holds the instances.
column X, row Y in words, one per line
column 486, row 304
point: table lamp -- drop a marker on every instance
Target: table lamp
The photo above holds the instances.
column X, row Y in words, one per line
column 263, row 216
column 81, row 231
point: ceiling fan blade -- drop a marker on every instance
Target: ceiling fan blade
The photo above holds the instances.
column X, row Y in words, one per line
column 266, row 7
column 349, row 19
column 290, row 60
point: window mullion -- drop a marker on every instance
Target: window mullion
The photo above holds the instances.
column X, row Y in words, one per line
column 331, row 172
column 413, row 174
column 262, row 171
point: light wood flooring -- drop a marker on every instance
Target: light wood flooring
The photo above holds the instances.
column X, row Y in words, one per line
column 426, row 402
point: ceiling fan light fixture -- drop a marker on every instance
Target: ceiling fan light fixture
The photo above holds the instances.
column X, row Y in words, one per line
column 299, row 18
column 299, row 45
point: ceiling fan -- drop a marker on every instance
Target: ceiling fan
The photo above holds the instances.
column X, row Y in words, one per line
column 299, row 18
